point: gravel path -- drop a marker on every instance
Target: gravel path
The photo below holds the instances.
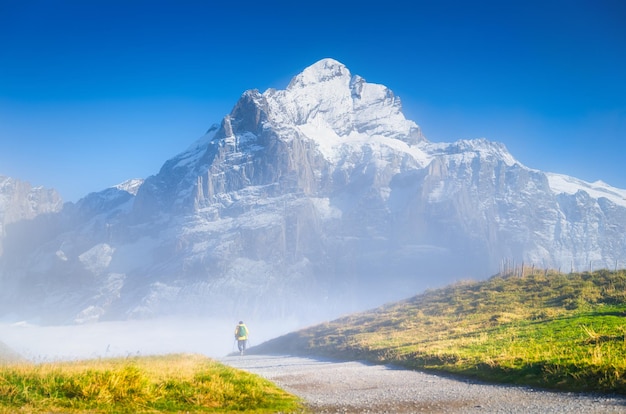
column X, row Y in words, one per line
column 354, row 387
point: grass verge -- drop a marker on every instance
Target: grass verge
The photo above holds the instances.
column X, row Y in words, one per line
column 171, row 383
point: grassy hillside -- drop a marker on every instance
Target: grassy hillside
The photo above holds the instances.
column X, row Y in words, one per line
column 548, row 329
column 172, row 383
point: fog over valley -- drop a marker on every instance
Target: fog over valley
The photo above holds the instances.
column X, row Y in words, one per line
column 214, row 338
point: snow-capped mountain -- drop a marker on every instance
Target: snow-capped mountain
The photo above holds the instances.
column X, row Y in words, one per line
column 308, row 202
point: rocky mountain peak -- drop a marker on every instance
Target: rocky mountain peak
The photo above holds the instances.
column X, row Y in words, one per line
column 248, row 114
column 325, row 70
column 326, row 96
column 19, row 200
column 130, row 186
column 305, row 202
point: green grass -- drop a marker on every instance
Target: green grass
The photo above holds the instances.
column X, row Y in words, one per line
column 172, row 383
column 547, row 329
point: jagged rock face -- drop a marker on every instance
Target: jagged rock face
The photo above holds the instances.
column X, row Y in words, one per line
column 309, row 202
column 19, row 201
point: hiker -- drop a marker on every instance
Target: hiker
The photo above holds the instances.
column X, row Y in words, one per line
column 241, row 335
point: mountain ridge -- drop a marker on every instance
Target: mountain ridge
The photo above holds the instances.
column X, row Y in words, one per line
column 308, row 202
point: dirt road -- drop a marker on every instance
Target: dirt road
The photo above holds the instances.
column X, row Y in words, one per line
column 354, row 387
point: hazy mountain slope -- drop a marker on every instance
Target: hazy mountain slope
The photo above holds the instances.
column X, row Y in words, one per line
column 7, row 355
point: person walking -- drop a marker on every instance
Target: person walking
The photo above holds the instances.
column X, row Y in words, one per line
column 241, row 335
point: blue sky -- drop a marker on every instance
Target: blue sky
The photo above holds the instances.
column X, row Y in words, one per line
column 96, row 92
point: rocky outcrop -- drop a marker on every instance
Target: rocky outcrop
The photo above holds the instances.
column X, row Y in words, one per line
column 19, row 201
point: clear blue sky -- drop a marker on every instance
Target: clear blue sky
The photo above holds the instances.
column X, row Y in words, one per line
column 96, row 92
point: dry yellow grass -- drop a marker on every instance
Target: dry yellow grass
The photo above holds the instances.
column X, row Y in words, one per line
column 171, row 383
column 542, row 328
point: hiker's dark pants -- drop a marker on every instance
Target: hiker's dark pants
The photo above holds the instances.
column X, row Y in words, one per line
column 241, row 344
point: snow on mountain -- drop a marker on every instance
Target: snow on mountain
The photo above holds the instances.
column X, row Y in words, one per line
column 326, row 96
column 569, row 185
column 130, row 186
column 305, row 203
